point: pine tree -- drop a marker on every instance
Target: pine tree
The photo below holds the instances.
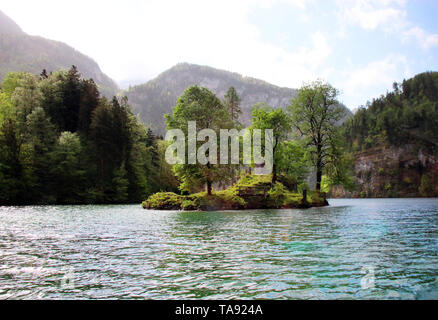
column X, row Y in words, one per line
column 41, row 140
column 89, row 101
column 232, row 103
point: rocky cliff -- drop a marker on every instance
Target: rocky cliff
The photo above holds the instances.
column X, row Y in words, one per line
column 391, row 172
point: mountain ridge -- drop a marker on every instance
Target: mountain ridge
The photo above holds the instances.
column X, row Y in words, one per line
column 9, row 26
column 157, row 97
column 20, row 52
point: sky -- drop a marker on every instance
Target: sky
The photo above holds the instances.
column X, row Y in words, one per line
column 359, row 46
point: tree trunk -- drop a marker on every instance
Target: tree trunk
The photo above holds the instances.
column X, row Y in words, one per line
column 274, row 166
column 318, row 169
column 318, row 179
column 209, row 188
column 274, row 173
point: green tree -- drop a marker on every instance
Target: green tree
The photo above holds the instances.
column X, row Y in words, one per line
column 12, row 180
column 165, row 175
column 25, row 98
column 41, row 139
column 118, row 143
column 89, row 101
column 71, row 99
column 200, row 105
column 104, row 148
column 315, row 115
column 426, row 186
column 61, row 143
column 232, row 103
column 69, row 169
column 120, row 184
column 292, row 163
column 265, row 118
column 8, row 108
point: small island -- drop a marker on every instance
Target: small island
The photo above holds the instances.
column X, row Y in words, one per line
column 251, row 192
column 263, row 167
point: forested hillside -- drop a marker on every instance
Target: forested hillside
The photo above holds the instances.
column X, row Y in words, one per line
column 158, row 97
column 395, row 140
column 22, row 52
column 62, row 143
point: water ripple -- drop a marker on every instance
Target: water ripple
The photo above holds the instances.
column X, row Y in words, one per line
column 355, row 249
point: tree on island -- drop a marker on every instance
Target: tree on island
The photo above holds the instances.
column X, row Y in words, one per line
column 314, row 114
column 201, row 106
column 232, row 103
column 266, row 118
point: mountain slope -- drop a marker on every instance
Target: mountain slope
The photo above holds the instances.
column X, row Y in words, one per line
column 158, row 96
column 395, row 142
column 7, row 25
column 21, row 52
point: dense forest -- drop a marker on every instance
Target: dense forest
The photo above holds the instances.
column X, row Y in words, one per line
column 409, row 114
column 62, row 143
column 395, row 141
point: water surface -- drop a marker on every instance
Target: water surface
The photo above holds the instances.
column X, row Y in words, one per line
column 355, row 249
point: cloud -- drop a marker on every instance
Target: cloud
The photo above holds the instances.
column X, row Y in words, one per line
column 137, row 40
column 301, row 4
column 425, row 39
column 140, row 39
column 371, row 14
column 389, row 15
column 370, row 80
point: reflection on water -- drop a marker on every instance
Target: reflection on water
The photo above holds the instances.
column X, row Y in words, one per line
column 355, row 249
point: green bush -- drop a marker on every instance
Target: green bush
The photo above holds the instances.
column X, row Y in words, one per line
column 425, row 188
column 164, row 201
column 254, row 180
column 277, row 196
column 189, row 205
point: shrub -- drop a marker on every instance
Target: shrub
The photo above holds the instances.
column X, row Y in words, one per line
column 254, row 180
column 277, row 196
column 425, row 188
column 164, row 201
column 189, row 205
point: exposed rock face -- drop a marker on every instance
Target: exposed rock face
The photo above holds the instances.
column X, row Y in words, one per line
column 394, row 172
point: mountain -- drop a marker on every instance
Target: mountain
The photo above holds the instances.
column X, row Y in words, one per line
column 152, row 100
column 394, row 141
column 158, row 96
column 7, row 25
column 22, row 52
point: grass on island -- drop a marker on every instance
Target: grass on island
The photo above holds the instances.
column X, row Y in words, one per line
column 277, row 196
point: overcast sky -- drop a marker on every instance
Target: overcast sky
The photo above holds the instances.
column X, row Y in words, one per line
column 361, row 46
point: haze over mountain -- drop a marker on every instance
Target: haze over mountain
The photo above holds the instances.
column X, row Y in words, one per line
column 151, row 100
column 158, row 96
column 22, row 52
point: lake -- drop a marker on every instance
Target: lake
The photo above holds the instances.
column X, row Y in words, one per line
column 354, row 249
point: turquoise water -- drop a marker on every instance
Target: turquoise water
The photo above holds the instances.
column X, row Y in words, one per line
column 355, row 249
